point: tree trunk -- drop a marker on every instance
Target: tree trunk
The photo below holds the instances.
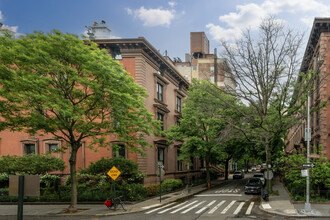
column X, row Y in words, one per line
column 207, row 164
column 73, row 171
column 226, row 168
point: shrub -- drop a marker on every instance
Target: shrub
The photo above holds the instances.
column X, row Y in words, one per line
column 50, row 181
column 152, row 190
column 129, row 169
column 30, row 164
column 170, row 185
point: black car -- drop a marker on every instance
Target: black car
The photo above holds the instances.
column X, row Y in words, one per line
column 238, row 175
column 254, row 185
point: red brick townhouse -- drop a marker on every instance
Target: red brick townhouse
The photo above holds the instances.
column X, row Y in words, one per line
column 316, row 57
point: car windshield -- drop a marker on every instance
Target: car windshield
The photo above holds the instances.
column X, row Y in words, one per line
column 258, row 175
column 237, row 172
column 253, row 182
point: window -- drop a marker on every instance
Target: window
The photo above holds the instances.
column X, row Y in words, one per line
column 178, row 104
column 160, row 92
column 192, row 163
column 161, row 158
column 178, row 122
column 119, row 151
column 179, row 162
column 52, row 148
column 160, row 117
column 29, row 148
column 318, row 119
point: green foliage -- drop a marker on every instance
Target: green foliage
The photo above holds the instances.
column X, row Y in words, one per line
column 203, row 120
column 152, row 189
column 50, row 181
column 129, row 169
column 30, row 164
column 170, row 185
column 296, row 184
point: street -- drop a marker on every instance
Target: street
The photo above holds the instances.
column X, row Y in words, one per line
column 226, row 201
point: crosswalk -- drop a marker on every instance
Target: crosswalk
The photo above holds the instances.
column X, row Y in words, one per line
column 209, row 207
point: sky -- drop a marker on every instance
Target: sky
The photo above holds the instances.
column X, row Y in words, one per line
column 165, row 24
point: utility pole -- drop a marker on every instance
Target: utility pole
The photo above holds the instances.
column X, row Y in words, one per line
column 215, row 67
column 308, row 207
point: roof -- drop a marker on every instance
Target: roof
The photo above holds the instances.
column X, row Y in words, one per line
column 320, row 25
column 142, row 43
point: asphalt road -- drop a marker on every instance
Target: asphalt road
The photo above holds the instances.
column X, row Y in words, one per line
column 223, row 202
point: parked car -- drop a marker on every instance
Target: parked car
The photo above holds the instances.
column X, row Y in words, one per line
column 253, row 185
column 260, row 176
column 238, row 175
column 253, row 169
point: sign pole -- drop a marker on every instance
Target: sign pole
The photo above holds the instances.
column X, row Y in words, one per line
column 307, row 204
column 114, row 188
column 160, row 183
column 20, row 197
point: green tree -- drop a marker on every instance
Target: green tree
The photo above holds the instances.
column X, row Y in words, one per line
column 56, row 83
column 201, row 123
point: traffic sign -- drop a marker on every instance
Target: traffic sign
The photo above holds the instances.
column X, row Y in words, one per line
column 114, row 173
column 268, row 175
column 308, row 165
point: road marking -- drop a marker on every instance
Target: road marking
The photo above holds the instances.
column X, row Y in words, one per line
column 239, row 208
column 220, row 195
column 248, row 211
column 266, row 206
column 228, row 207
column 216, row 207
column 193, row 207
column 158, row 208
column 172, row 207
column 205, row 207
column 151, row 206
column 184, row 207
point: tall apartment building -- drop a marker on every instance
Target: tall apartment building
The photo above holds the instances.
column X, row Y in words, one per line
column 200, row 64
column 166, row 89
column 317, row 58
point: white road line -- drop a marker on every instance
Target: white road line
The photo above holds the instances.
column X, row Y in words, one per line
column 248, row 211
column 184, row 207
column 216, row 207
column 228, row 207
column 266, row 206
column 239, row 208
column 195, row 206
column 205, row 207
column 219, row 195
column 158, row 208
column 174, row 207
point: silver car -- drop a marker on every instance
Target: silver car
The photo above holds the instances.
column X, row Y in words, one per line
column 260, row 176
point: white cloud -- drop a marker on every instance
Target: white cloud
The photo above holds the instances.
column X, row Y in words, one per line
column 251, row 15
column 155, row 17
column 172, row 4
column 129, row 11
column 0, row 15
column 10, row 28
column 218, row 33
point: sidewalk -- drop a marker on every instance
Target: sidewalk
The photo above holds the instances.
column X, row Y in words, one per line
column 282, row 204
column 100, row 209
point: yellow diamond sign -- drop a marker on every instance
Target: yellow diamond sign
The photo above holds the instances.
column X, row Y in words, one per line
column 114, row 173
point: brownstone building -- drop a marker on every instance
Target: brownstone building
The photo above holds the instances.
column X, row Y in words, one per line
column 166, row 89
column 316, row 57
